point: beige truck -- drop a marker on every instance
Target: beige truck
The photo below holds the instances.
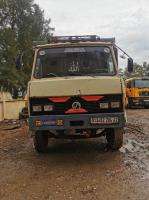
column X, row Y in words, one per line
column 75, row 91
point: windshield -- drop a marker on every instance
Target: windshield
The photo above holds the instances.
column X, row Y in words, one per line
column 141, row 83
column 74, row 61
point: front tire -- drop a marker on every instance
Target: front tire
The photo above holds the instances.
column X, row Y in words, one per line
column 40, row 141
column 114, row 138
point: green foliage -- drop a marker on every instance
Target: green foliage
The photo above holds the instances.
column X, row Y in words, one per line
column 139, row 70
column 21, row 22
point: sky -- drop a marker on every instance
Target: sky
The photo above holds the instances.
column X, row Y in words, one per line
column 127, row 21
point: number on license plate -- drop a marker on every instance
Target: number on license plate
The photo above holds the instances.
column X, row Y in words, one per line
column 104, row 120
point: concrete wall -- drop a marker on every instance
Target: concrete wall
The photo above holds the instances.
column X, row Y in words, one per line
column 5, row 96
column 1, row 112
column 11, row 109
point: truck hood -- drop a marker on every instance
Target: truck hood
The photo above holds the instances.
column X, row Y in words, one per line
column 72, row 86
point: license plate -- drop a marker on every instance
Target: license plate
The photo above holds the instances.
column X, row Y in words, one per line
column 58, row 122
column 104, row 120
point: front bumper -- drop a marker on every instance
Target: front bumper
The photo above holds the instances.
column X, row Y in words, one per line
column 77, row 121
column 139, row 101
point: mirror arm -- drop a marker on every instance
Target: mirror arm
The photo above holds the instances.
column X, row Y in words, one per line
column 122, row 51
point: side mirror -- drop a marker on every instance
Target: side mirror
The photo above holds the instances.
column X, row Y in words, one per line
column 19, row 62
column 130, row 65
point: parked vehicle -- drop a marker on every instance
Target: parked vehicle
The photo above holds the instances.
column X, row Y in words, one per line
column 137, row 92
column 75, row 90
column 23, row 114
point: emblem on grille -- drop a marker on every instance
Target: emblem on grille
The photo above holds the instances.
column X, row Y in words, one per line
column 76, row 106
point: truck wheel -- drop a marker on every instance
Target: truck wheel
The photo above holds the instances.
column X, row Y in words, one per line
column 114, row 138
column 40, row 141
column 130, row 104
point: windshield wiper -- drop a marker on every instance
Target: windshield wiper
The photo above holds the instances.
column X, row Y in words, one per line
column 74, row 74
column 85, row 74
column 51, row 74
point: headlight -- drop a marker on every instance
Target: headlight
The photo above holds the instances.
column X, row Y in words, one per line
column 104, row 105
column 115, row 104
column 37, row 108
column 48, row 107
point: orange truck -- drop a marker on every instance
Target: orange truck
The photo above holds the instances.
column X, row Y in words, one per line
column 137, row 92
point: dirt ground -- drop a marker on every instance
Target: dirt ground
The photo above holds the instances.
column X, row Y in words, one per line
column 75, row 169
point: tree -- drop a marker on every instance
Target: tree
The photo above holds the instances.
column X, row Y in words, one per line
column 139, row 70
column 21, row 22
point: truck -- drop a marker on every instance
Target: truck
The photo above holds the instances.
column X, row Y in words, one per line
column 75, row 91
column 137, row 92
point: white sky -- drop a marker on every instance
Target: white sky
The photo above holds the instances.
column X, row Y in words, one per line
column 126, row 20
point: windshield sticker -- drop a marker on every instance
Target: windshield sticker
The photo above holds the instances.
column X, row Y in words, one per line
column 42, row 53
column 106, row 50
column 72, row 50
column 74, row 67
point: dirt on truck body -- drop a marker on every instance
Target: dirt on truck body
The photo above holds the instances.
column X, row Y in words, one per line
column 75, row 169
column 75, row 91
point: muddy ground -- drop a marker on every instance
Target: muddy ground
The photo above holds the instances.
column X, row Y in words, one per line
column 75, row 169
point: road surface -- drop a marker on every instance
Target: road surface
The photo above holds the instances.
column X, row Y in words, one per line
column 75, row 170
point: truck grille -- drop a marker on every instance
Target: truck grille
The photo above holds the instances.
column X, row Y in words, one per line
column 61, row 108
column 144, row 93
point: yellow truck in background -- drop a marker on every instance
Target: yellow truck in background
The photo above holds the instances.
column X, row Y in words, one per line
column 137, row 92
column 75, row 90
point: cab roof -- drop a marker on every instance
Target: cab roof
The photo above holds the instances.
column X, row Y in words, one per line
column 68, row 44
column 64, row 41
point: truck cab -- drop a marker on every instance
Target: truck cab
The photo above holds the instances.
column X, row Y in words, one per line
column 75, row 91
